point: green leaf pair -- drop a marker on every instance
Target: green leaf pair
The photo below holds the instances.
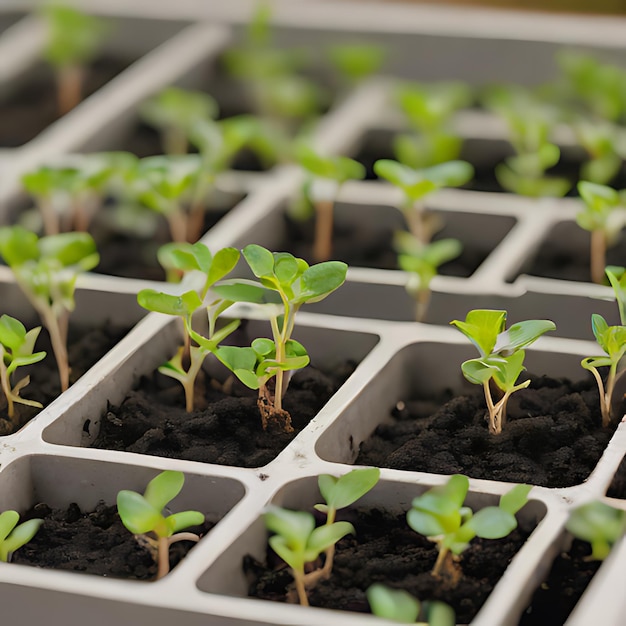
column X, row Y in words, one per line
column 14, row 536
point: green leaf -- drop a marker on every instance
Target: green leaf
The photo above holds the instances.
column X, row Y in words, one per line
column 241, row 290
column 163, row 488
column 294, row 526
column 599, row 524
column 514, row 499
column 393, row 604
column 426, row 523
column 522, row 334
column 493, row 523
column 477, row 371
column 325, row 536
column 181, row 306
column 260, row 260
column 12, row 332
column 184, row 519
column 136, row 513
column 224, row 262
column 482, row 327
column 70, row 249
column 8, row 521
column 20, row 536
column 321, row 279
column 285, row 268
column 347, row 489
column 264, row 347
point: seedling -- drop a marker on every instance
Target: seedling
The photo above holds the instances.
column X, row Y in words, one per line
column 286, row 283
column 354, row 62
column 422, row 261
column 416, row 185
column 400, row 606
column 16, row 350
column 143, row 515
column 14, row 536
column 604, row 215
column 326, row 175
column 600, row 525
column 74, row 39
column 617, row 278
column 297, row 542
column 185, row 365
column 46, row 269
column 174, row 111
column 605, row 144
column 439, row 514
column 612, row 339
column 501, row 356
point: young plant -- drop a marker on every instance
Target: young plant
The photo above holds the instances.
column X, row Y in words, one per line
column 286, row 284
column 16, row 350
column 354, row 62
column 604, row 215
column 326, row 175
column 612, row 339
column 14, row 536
column 617, row 278
column 416, row 185
column 298, row 542
column 440, row 515
column 74, row 39
column 501, row 356
column 46, row 269
column 599, row 524
column 421, row 261
column 605, row 144
column 185, row 365
column 143, row 515
column 174, row 111
column 400, row 606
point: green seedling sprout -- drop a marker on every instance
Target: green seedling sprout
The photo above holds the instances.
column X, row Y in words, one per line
column 400, row 606
column 174, row 111
column 16, row 349
column 143, row 515
column 421, row 262
column 429, row 109
column 46, row 269
column 605, row 144
column 617, row 279
column 297, row 542
column 501, row 356
column 185, row 365
column 416, row 185
column 14, row 536
column 338, row 493
column 612, row 339
column 600, row 525
column 286, row 283
column 604, row 215
column 326, row 176
column 354, row 62
column 440, row 515
column 74, row 39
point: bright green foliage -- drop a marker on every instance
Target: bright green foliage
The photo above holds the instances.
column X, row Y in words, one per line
column 422, row 261
column 336, row 168
column 16, row 350
column 356, row 61
column 185, row 365
column 400, row 606
column 501, row 355
column 417, row 184
column 599, row 524
column 617, row 278
column 612, row 339
column 285, row 284
column 143, row 515
column 46, row 269
column 297, row 541
column 14, row 536
column 439, row 514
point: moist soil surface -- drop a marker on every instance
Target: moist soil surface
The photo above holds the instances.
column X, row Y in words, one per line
column 386, row 550
column 32, row 106
column 85, row 347
column 553, row 436
column 93, row 543
column 224, row 429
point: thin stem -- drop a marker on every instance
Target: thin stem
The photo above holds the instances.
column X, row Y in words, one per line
column 280, row 357
column 610, row 385
column 330, row 551
column 604, row 406
column 300, row 587
column 491, row 408
column 174, row 141
column 69, row 87
column 414, row 215
column 178, row 225
column 598, row 256
column 6, row 385
column 57, row 330
column 441, row 557
column 48, row 215
column 163, row 557
column 422, row 302
column 195, row 221
column 323, row 242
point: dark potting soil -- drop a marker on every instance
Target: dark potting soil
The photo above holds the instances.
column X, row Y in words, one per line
column 386, row 550
column 86, row 345
column 224, row 429
column 32, row 106
column 557, row 596
column 553, row 436
column 617, row 488
column 94, row 543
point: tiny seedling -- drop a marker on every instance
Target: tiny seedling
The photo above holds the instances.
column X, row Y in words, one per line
column 297, row 542
column 441, row 516
column 599, row 524
column 400, row 606
column 185, row 365
column 354, row 62
column 326, row 175
column 605, row 144
column 14, row 536
column 74, row 39
column 501, row 356
column 612, row 339
column 617, row 278
column 143, row 515
column 16, row 350
column 416, row 185
column 46, row 269
column 604, row 215
column 421, row 261
column 286, row 283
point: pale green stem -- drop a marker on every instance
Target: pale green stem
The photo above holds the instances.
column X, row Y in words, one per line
column 300, row 587
column 598, row 256
column 330, row 551
column 6, row 385
column 323, row 241
column 178, row 225
column 414, row 215
column 441, row 557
